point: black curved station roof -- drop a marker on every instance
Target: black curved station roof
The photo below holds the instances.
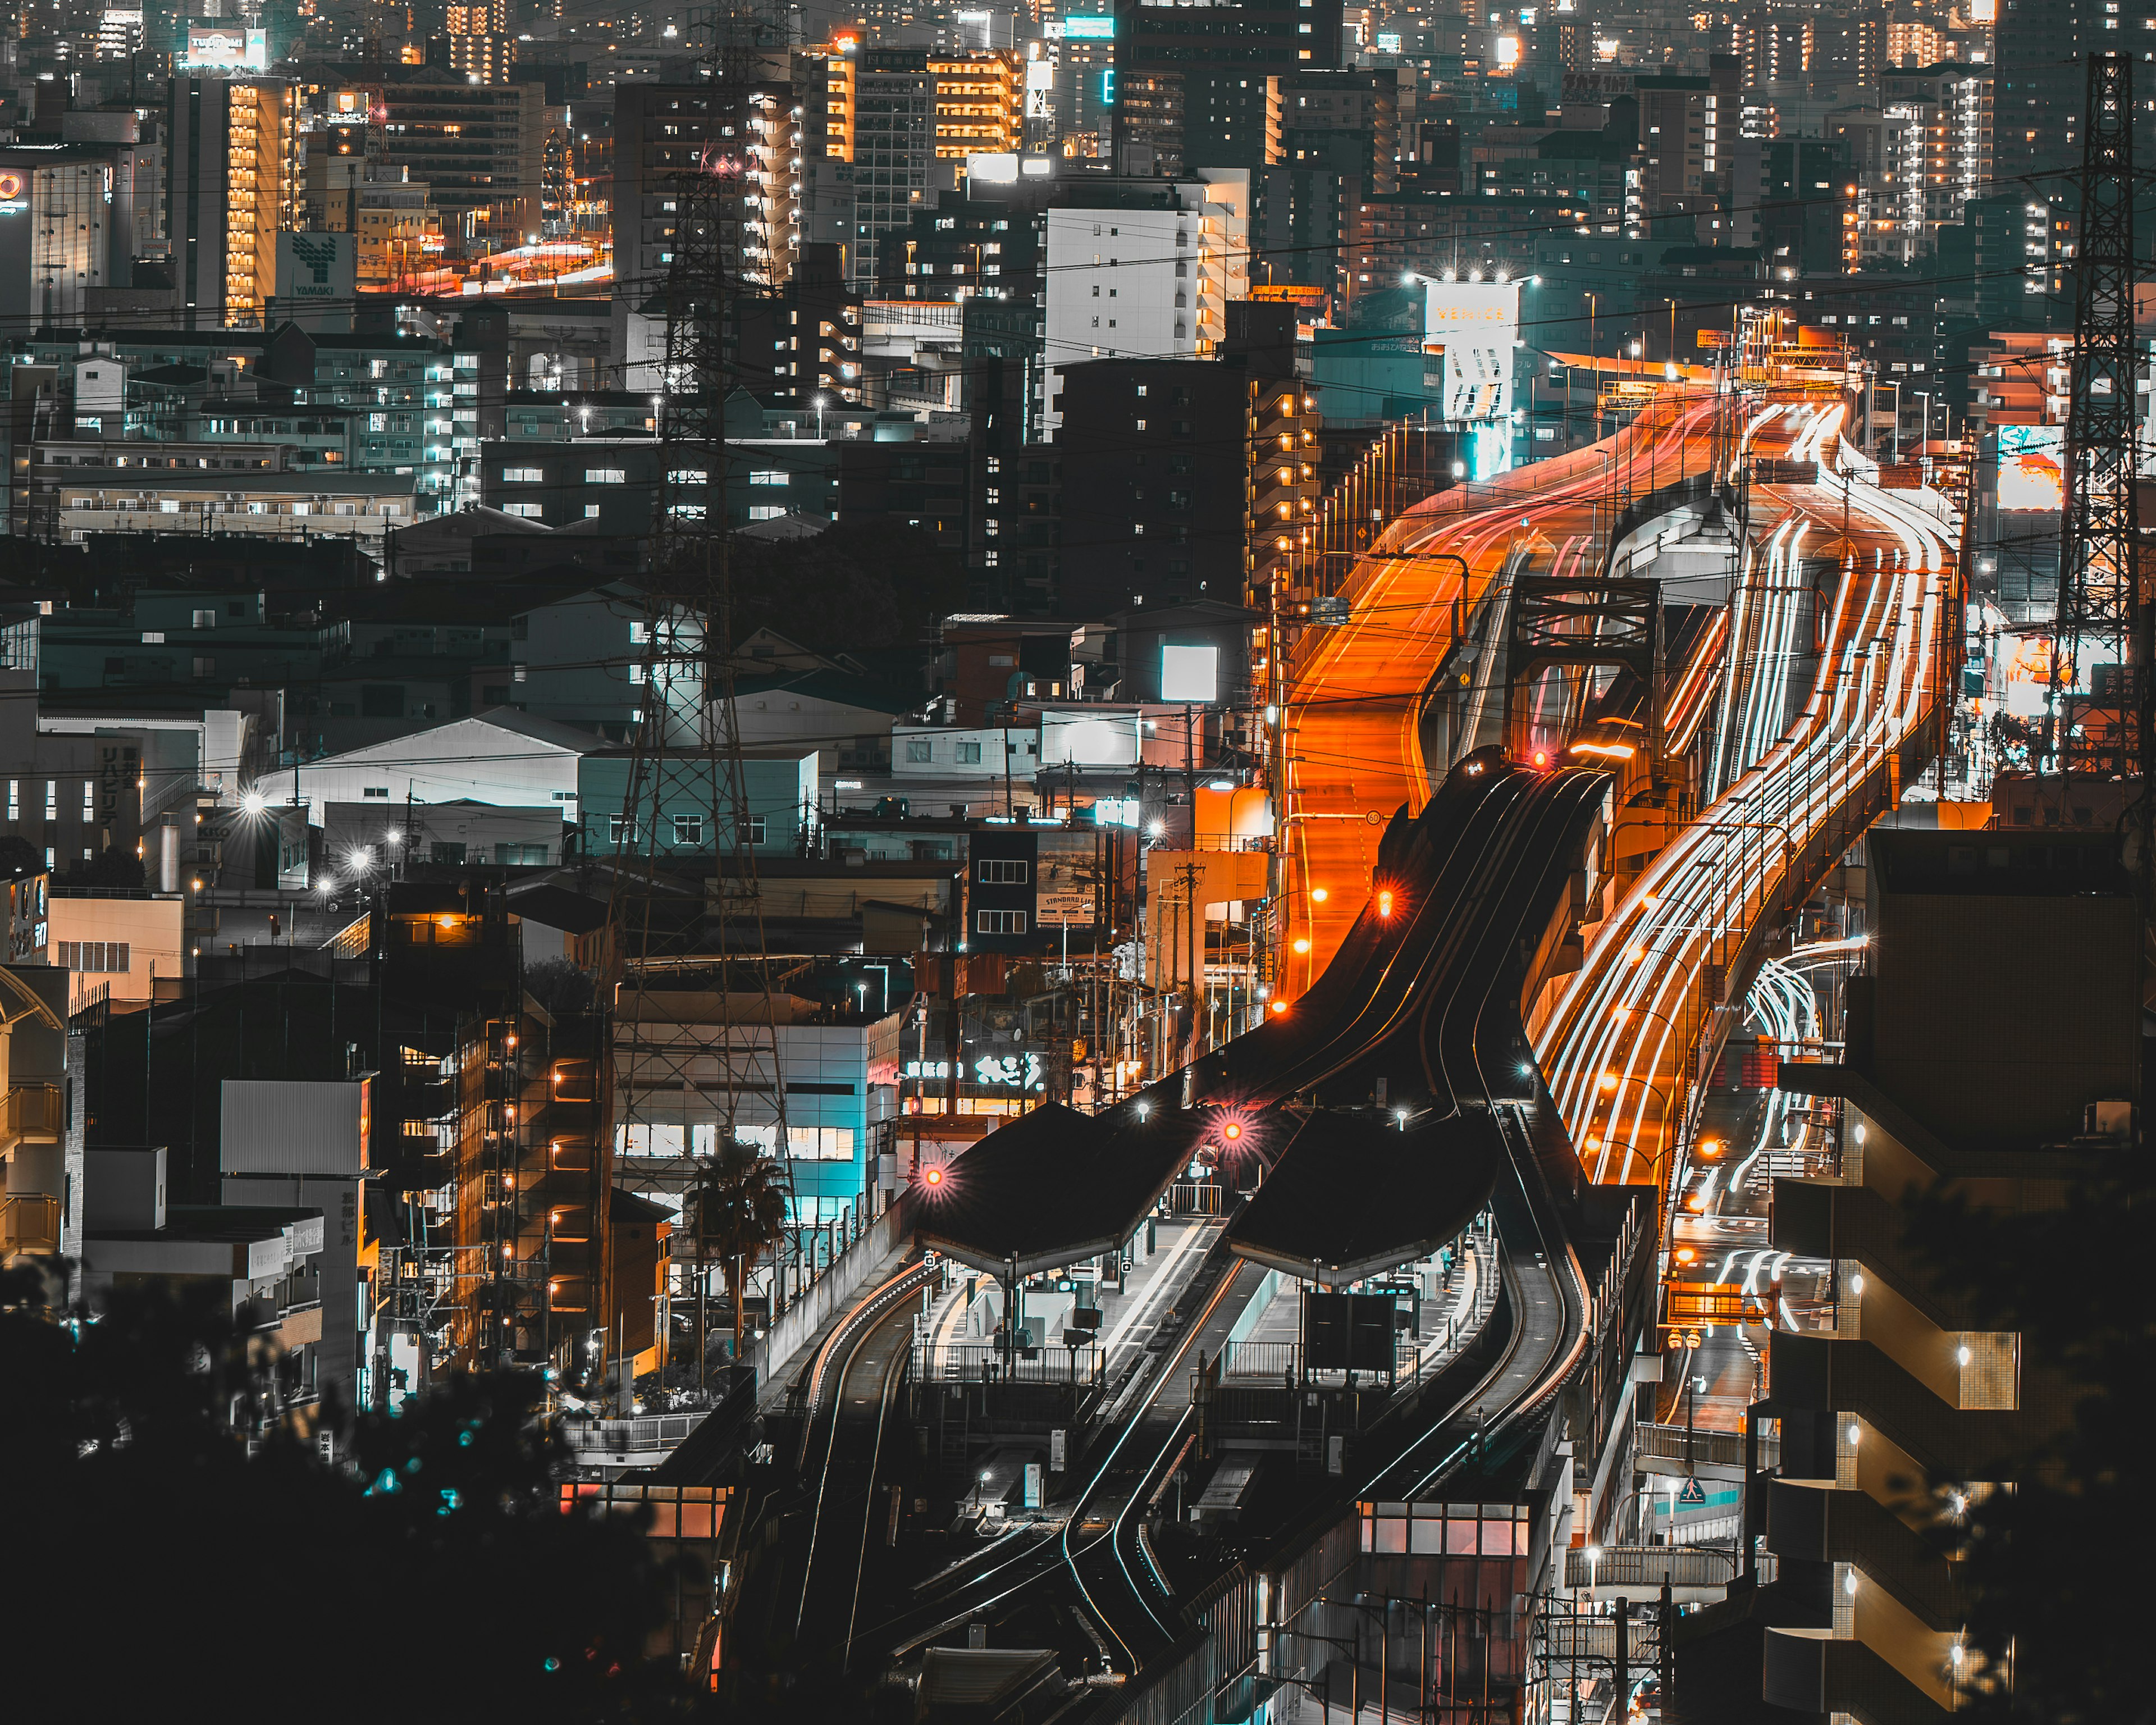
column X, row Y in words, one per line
column 1354, row 1195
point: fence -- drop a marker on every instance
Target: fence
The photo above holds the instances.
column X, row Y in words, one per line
column 1718, row 1448
column 1649, row 1566
column 983, row 1362
column 1279, row 1361
column 629, row 1437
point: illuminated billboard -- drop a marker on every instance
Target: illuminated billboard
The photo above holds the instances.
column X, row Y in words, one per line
column 1473, row 325
column 2032, row 475
column 1089, row 26
column 227, row 48
column 1191, row 673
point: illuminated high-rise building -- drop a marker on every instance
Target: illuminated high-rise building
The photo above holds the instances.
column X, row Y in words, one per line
column 980, row 103
column 479, row 42
column 231, row 185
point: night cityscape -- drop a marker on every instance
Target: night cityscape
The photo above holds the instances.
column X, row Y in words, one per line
column 1138, row 862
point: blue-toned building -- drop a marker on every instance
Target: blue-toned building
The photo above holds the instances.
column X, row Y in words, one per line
column 836, row 1072
column 689, row 794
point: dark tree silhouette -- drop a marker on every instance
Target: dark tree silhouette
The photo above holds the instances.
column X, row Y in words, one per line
column 175, row 1544
column 111, row 867
column 560, row 985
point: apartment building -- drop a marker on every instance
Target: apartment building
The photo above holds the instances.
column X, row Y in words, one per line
column 1143, row 269
column 233, row 185
column 482, row 148
column 479, row 43
column 1942, row 152
column 1205, row 69
column 2022, row 378
column 67, row 233
column 980, row 103
column 1284, row 483
column 802, row 346
column 1902, row 1391
column 1153, row 495
column 893, row 151
column 1688, row 127
column 91, row 486
column 664, row 134
column 404, row 390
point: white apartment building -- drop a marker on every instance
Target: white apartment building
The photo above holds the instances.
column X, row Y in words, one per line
column 82, row 486
column 1146, row 273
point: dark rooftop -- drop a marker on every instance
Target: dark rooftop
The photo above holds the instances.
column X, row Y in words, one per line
column 1314, row 1217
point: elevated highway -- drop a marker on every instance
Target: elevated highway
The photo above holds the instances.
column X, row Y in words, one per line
column 1790, row 724
column 1353, row 745
column 1820, row 719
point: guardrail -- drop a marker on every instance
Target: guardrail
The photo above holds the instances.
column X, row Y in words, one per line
column 983, row 1362
column 652, row 1434
column 1718, row 1449
column 1649, row 1566
column 1693, row 488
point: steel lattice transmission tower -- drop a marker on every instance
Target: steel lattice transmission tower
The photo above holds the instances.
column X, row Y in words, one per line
column 685, row 764
column 2102, row 626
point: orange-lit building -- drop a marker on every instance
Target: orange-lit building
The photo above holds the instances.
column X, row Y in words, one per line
column 980, row 103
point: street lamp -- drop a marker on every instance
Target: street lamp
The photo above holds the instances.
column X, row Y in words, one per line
column 819, row 401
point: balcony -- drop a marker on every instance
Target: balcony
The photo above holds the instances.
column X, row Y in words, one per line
column 1813, row 1522
column 32, row 1111
column 1855, row 1377
column 29, row 1222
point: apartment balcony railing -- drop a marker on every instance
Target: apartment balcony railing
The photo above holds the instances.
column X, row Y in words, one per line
column 32, row 1111
column 29, row 1222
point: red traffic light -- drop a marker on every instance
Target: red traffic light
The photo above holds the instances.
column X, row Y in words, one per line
column 1541, row 757
column 934, row 1176
column 1232, row 1130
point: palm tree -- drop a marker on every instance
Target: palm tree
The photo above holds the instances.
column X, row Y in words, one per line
column 736, row 1212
